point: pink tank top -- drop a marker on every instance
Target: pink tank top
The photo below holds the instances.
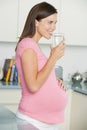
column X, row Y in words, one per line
column 48, row 104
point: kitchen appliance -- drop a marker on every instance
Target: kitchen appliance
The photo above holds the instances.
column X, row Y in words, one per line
column 77, row 77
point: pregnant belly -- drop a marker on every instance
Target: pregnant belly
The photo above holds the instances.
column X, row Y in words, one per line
column 55, row 101
column 45, row 102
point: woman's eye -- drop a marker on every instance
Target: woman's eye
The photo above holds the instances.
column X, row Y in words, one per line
column 50, row 22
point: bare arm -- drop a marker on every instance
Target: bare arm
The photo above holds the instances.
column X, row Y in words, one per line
column 34, row 78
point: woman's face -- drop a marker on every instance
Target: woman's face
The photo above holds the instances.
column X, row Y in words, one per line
column 46, row 26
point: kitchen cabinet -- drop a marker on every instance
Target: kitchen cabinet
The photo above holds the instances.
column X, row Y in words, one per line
column 73, row 21
column 10, row 98
column 78, row 115
column 8, row 20
column 24, row 8
column 76, row 111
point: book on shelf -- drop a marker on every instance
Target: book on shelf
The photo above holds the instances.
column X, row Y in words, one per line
column 12, row 73
column 16, row 76
column 7, row 69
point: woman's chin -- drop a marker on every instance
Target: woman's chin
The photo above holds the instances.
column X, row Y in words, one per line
column 48, row 37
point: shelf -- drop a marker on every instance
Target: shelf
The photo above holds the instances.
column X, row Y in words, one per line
column 9, row 85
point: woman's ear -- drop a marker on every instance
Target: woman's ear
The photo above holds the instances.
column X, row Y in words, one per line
column 36, row 23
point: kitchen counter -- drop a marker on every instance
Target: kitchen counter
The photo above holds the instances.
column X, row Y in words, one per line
column 77, row 87
column 9, row 85
column 8, row 121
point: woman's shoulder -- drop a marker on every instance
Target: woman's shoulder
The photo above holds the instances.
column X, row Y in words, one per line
column 26, row 43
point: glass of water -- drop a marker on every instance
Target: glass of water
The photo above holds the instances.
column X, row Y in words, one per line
column 57, row 38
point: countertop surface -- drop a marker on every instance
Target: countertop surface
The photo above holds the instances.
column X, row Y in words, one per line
column 77, row 87
column 8, row 121
column 9, row 85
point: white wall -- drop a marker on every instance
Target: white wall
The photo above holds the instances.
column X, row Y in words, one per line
column 6, row 51
column 74, row 59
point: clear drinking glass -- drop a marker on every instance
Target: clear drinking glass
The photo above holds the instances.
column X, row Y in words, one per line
column 57, row 38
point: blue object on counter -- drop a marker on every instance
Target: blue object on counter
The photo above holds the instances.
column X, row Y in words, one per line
column 8, row 121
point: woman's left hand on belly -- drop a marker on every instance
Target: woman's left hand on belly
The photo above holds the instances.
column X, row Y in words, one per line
column 60, row 83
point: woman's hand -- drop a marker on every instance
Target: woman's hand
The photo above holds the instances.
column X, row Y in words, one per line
column 58, row 51
column 60, row 83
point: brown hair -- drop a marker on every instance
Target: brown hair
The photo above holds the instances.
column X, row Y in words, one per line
column 37, row 12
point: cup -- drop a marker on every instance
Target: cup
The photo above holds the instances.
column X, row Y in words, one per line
column 59, row 71
column 57, row 38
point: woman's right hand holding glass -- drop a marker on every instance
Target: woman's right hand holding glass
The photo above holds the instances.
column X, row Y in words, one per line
column 58, row 51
